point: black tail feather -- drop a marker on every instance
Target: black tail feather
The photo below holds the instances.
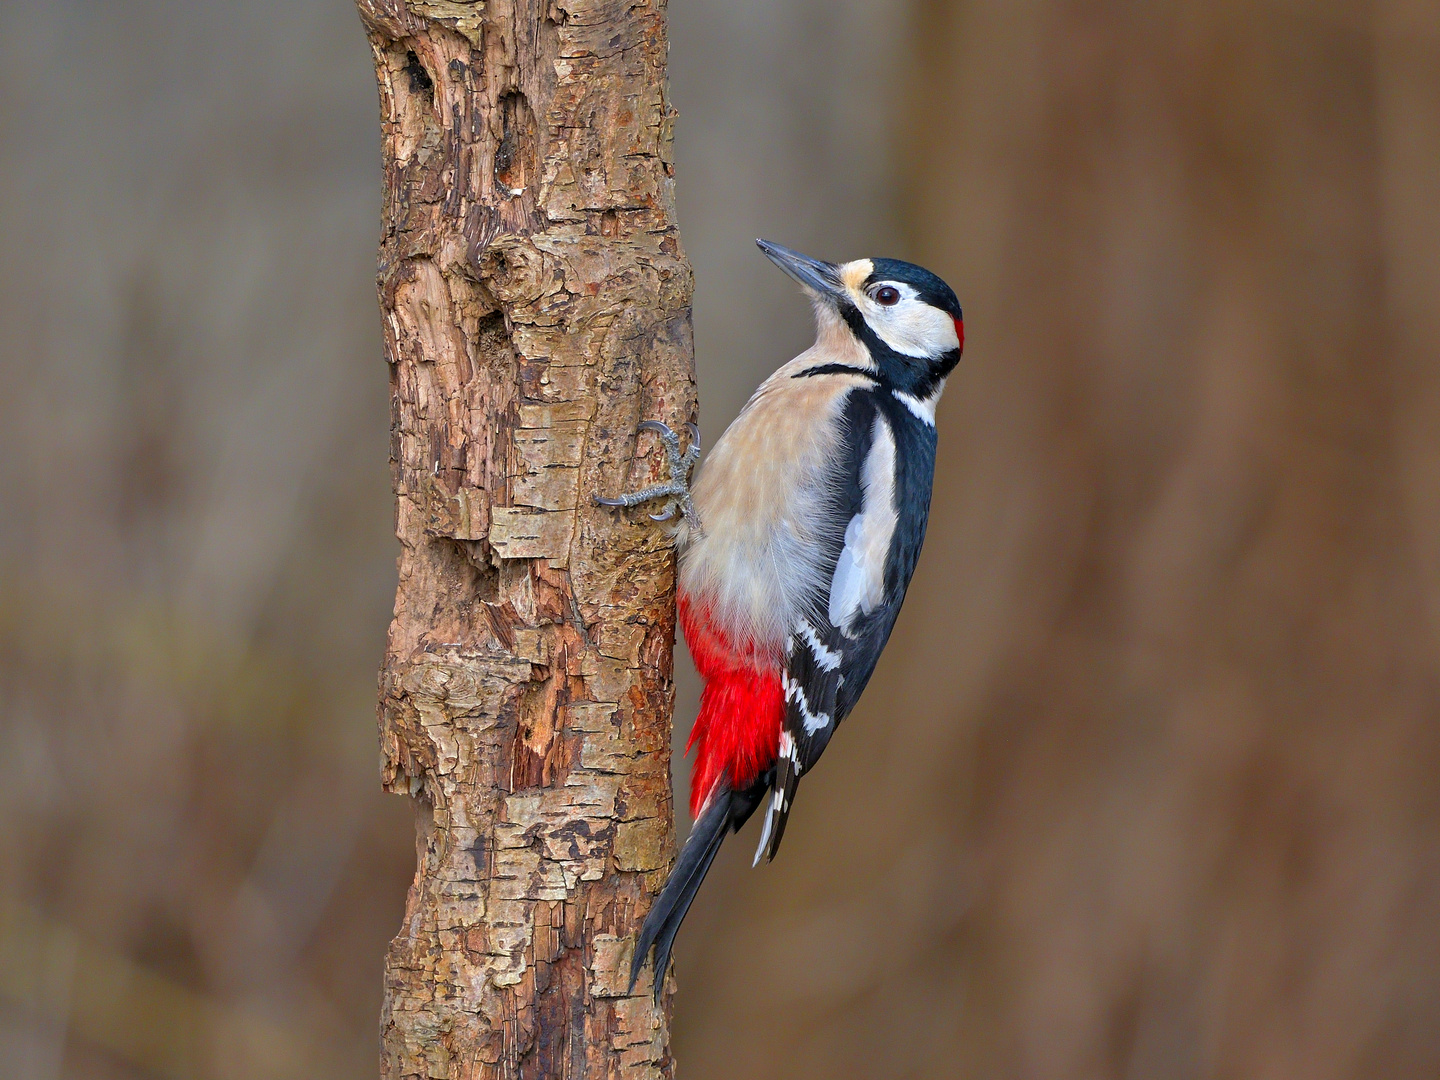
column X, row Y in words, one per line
column 787, row 779
column 666, row 940
column 744, row 803
column 663, row 921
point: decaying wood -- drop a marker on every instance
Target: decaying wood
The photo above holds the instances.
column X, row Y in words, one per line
column 536, row 309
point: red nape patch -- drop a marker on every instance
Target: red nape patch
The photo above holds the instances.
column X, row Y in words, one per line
column 741, row 707
column 960, row 332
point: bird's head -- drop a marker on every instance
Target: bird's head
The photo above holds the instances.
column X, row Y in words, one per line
column 908, row 320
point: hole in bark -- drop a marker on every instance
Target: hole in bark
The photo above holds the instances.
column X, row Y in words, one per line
column 412, row 98
column 468, row 571
column 515, row 154
column 539, row 752
column 494, row 350
column 420, row 81
column 558, row 1044
column 490, row 332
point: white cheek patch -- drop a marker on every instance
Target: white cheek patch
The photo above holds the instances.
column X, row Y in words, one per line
column 859, row 582
column 911, row 327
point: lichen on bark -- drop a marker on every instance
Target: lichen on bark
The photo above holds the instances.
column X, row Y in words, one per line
column 536, row 307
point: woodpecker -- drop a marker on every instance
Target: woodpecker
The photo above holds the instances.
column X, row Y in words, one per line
column 796, row 545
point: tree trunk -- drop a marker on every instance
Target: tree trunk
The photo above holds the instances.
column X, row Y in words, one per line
column 536, row 309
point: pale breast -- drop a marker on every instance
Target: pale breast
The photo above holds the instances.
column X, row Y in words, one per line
column 760, row 561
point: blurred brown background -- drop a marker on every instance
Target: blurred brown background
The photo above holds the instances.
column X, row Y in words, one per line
column 1148, row 782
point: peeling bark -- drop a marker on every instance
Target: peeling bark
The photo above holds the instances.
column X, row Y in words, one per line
column 536, row 306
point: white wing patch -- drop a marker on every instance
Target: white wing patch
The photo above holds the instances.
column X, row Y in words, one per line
column 825, row 659
column 859, row 582
column 813, row 721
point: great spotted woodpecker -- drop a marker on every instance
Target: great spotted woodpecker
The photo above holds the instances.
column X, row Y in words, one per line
column 796, row 545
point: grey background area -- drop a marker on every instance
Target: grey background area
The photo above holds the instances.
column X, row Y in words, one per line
column 1145, row 783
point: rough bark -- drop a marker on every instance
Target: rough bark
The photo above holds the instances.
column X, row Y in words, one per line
column 536, row 308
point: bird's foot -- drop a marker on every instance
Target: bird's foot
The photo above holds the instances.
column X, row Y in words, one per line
column 676, row 490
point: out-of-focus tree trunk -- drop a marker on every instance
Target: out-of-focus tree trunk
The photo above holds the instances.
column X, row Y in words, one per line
column 1145, row 785
column 1201, row 737
column 536, row 308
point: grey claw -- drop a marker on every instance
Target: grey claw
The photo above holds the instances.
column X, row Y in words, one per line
column 676, row 490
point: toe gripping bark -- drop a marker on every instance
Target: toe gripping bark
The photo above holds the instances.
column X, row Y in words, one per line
column 676, row 490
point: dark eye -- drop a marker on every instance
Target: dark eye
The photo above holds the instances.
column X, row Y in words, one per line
column 887, row 295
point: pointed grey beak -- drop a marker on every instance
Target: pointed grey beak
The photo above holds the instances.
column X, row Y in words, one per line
column 819, row 277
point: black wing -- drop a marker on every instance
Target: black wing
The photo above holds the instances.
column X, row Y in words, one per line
column 827, row 666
